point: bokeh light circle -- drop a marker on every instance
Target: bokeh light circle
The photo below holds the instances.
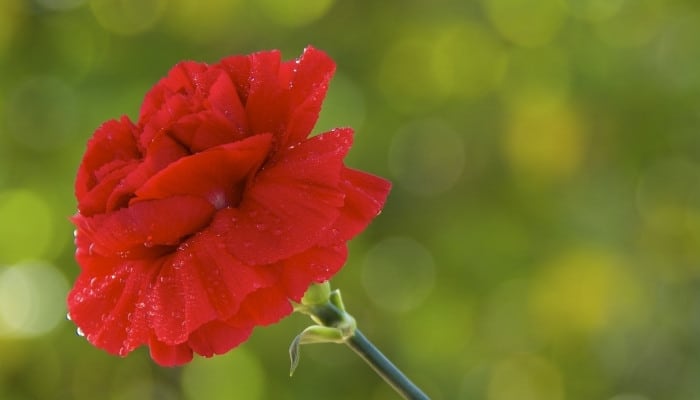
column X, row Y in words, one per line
column 42, row 113
column 594, row 10
column 427, row 157
column 526, row 377
column 27, row 228
column 236, row 375
column 668, row 194
column 127, row 17
column 544, row 140
column 295, row 13
column 202, row 22
column 398, row 274
column 634, row 24
column 31, row 299
column 469, row 60
column 527, row 23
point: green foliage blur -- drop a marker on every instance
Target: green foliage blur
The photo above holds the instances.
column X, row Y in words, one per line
column 541, row 242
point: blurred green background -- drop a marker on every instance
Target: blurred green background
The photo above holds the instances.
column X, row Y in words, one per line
column 542, row 240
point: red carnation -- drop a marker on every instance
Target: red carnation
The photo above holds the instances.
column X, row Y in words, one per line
column 205, row 218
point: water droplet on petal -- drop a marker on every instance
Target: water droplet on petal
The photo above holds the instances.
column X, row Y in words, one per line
column 80, row 332
column 141, row 305
column 68, row 317
column 91, row 249
column 149, row 241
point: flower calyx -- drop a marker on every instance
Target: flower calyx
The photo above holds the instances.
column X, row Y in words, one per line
column 326, row 308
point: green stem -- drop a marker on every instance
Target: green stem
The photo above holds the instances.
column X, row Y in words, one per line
column 330, row 312
column 384, row 368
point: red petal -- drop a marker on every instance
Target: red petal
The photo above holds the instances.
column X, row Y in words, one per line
column 365, row 195
column 111, row 308
column 217, row 337
column 224, row 98
column 114, row 140
column 96, row 201
column 309, row 85
column 200, row 283
column 214, row 174
column 161, row 152
column 289, row 204
column 263, row 307
column 169, row 355
column 238, row 69
column 145, row 223
column 266, row 106
column 317, row 264
column 178, row 80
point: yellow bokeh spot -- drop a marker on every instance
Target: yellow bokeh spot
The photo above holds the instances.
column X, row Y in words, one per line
column 582, row 293
column 431, row 63
column 468, row 60
column 27, row 226
column 668, row 192
column 408, row 76
column 236, row 375
column 294, row 13
column 527, row 23
column 12, row 15
column 127, row 17
column 202, row 21
column 634, row 24
column 594, row 10
column 544, row 140
column 542, row 73
column 525, row 377
column 31, row 299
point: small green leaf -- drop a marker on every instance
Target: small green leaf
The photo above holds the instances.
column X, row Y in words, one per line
column 313, row 334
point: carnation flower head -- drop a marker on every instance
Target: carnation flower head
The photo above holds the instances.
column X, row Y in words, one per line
column 204, row 218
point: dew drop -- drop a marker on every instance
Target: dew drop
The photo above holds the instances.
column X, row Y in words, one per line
column 141, row 305
column 123, row 351
column 91, row 249
column 93, row 280
column 149, row 241
column 80, row 332
column 68, row 317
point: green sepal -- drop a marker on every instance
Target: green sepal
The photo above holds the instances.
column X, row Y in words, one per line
column 313, row 334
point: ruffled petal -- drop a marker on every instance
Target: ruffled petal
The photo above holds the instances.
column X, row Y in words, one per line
column 317, row 264
column 144, row 225
column 312, row 73
column 215, row 175
column 238, row 69
column 263, row 307
column 168, row 355
column 365, row 195
column 113, row 141
column 200, row 283
column 290, row 203
column 97, row 200
column 179, row 81
column 112, row 308
column 266, row 106
column 217, row 337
